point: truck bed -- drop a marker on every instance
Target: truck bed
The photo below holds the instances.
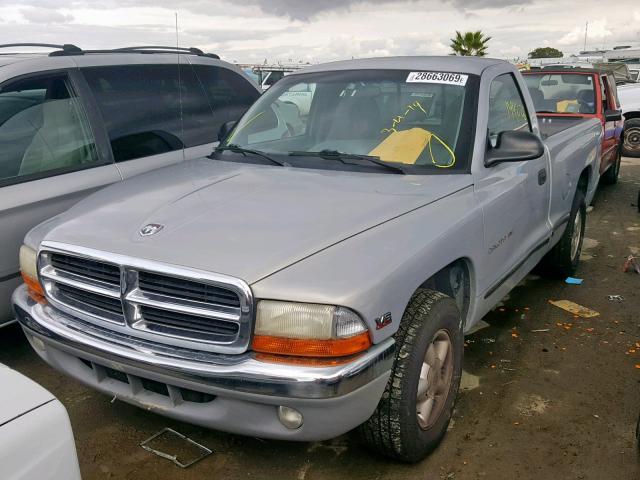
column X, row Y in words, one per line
column 552, row 124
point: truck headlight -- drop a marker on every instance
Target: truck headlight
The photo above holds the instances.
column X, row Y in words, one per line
column 29, row 272
column 308, row 329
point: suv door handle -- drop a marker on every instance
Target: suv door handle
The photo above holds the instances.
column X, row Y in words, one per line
column 542, row 176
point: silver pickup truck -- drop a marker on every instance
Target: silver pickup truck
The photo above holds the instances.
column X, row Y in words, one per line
column 298, row 286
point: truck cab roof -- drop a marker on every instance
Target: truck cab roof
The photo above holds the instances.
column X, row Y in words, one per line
column 472, row 65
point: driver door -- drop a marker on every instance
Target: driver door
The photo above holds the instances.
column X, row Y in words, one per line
column 514, row 195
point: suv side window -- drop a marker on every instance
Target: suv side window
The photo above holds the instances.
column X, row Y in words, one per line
column 507, row 110
column 151, row 109
column 229, row 93
column 43, row 130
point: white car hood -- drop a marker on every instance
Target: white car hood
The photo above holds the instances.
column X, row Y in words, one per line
column 19, row 395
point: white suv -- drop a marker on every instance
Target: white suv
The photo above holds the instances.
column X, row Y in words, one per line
column 73, row 121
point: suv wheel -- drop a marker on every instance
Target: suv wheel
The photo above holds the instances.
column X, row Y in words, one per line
column 631, row 143
column 416, row 406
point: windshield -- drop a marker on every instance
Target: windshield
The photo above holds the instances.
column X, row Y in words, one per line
column 562, row 92
column 421, row 120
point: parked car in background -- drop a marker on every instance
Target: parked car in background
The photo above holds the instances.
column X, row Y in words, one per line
column 630, row 104
column 563, row 97
column 298, row 287
column 36, row 440
column 74, row 121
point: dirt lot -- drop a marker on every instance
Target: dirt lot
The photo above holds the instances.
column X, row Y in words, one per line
column 561, row 403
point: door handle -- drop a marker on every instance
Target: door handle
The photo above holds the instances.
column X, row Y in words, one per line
column 542, row 176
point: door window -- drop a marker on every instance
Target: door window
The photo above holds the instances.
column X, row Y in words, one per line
column 507, row 110
column 229, row 93
column 43, row 129
column 151, row 109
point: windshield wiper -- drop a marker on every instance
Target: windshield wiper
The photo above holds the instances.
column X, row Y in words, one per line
column 341, row 156
column 244, row 151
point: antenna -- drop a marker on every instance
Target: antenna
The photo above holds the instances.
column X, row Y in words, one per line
column 586, row 29
column 180, row 88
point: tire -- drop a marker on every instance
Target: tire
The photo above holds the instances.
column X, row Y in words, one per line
column 562, row 261
column 610, row 177
column 395, row 430
column 631, row 139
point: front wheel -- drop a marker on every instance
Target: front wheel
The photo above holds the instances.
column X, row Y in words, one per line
column 416, row 406
column 563, row 259
column 631, row 141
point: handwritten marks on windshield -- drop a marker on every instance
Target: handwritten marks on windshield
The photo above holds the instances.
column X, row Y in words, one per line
column 397, row 120
column 425, row 139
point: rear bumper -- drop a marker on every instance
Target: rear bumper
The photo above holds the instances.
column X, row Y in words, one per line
column 245, row 391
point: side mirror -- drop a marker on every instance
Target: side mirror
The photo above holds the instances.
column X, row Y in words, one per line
column 514, row 146
column 225, row 130
column 612, row 115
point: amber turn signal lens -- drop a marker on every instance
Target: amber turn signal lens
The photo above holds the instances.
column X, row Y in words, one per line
column 34, row 288
column 304, row 361
column 304, row 347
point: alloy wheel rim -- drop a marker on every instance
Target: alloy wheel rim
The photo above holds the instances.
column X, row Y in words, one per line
column 575, row 236
column 435, row 379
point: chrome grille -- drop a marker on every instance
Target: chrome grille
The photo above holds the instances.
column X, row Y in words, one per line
column 160, row 302
column 99, row 271
column 187, row 289
column 180, row 321
column 94, row 303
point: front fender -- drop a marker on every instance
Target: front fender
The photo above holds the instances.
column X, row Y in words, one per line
column 377, row 271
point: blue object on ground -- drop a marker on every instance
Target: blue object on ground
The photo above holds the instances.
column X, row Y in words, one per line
column 573, row 281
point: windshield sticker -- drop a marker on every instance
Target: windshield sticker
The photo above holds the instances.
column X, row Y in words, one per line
column 438, row 77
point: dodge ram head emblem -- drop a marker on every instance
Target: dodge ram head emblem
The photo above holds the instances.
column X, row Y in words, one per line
column 150, row 229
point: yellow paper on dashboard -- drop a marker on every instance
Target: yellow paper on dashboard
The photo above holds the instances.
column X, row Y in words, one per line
column 567, row 106
column 404, row 146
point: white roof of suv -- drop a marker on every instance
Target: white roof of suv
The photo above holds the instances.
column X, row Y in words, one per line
column 66, row 56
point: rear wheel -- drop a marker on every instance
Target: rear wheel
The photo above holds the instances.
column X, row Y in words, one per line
column 564, row 257
column 610, row 177
column 415, row 409
column 631, row 143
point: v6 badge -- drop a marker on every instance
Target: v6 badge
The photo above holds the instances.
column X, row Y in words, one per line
column 383, row 321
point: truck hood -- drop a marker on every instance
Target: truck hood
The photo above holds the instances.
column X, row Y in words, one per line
column 243, row 220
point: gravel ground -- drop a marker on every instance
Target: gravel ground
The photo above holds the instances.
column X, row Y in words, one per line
column 561, row 402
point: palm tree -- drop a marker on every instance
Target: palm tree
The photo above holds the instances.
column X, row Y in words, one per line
column 470, row 44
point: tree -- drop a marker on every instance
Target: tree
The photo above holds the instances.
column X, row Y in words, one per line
column 546, row 52
column 470, row 44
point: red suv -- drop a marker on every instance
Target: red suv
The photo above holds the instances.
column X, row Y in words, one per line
column 563, row 96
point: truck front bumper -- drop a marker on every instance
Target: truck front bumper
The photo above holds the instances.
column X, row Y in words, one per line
column 234, row 393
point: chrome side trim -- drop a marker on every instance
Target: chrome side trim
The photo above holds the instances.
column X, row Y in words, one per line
column 132, row 298
column 237, row 373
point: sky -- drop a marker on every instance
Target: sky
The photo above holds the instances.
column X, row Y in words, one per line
column 252, row 31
